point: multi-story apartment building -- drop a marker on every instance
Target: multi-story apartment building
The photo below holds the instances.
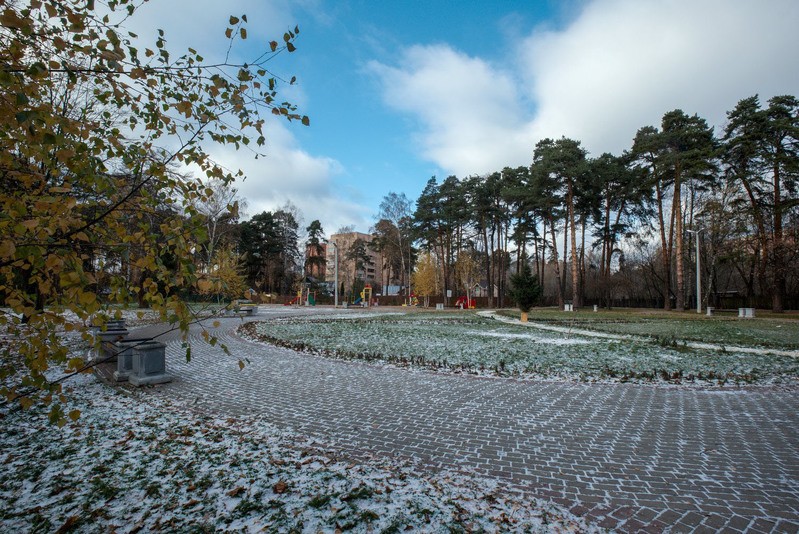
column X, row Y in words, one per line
column 348, row 270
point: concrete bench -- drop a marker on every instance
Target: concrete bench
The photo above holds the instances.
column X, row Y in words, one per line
column 124, row 357
column 149, row 364
column 746, row 313
column 249, row 309
column 105, row 350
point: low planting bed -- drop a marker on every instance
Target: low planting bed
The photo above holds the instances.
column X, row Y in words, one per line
column 466, row 342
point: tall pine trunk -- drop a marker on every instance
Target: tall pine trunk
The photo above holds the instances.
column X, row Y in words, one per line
column 680, row 259
column 573, row 229
column 778, row 255
column 665, row 251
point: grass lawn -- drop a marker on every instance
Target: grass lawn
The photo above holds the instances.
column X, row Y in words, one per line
column 768, row 330
column 466, row 342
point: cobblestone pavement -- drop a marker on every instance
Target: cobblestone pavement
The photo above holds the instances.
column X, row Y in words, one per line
column 629, row 457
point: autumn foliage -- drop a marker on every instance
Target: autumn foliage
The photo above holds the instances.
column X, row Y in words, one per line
column 97, row 132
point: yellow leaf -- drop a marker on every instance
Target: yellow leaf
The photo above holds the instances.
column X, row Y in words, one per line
column 7, row 249
column 87, row 298
column 74, row 415
column 241, row 365
column 54, row 263
column 59, row 189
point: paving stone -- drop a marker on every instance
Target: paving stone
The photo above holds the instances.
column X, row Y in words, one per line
column 763, row 525
column 739, row 523
column 678, row 456
column 632, row 525
column 788, row 527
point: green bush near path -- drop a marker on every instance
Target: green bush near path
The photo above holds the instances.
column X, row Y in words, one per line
column 466, row 342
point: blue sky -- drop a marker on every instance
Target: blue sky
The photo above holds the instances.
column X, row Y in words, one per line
column 398, row 92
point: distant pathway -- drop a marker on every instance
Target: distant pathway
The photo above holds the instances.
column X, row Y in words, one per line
column 629, row 457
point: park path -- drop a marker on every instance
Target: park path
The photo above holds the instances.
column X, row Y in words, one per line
column 629, row 457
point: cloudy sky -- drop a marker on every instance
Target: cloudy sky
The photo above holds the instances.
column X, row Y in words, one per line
column 401, row 91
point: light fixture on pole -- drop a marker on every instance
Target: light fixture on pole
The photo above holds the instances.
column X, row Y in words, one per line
column 698, row 272
column 335, row 249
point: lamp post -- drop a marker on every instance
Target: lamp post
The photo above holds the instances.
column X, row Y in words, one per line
column 335, row 278
column 698, row 272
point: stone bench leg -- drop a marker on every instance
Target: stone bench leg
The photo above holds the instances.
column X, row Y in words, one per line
column 124, row 352
column 149, row 364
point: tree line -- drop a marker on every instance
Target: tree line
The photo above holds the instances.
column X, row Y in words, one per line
column 623, row 228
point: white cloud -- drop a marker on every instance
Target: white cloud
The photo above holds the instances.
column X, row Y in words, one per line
column 288, row 172
column 202, row 24
column 619, row 65
column 623, row 63
column 468, row 109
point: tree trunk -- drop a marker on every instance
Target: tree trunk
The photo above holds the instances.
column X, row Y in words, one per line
column 665, row 250
column 779, row 289
column 488, row 267
column 543, row 251
column 561, row 295
column 565, row 256
column 573, row 230
column 679, row 260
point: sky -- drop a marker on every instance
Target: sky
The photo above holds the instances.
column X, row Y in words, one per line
column 398, row 92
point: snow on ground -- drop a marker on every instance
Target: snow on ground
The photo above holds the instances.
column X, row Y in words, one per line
column 133, row 463
column 615, row 336
column 534, row 338
column 478, row 344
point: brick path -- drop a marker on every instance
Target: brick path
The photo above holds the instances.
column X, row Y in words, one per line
column 629, row 457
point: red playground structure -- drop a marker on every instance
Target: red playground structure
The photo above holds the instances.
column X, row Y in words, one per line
column 465, row 303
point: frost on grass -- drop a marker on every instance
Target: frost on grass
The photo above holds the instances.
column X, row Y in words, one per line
column 134, row 463
column 776, row 333
column 469, row 343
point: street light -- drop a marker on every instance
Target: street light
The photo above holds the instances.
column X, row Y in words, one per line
column 335, row 249
column 698, row 272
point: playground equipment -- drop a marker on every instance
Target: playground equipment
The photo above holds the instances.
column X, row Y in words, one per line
column 465, row 303
column 305, row 297
column 365, row 299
